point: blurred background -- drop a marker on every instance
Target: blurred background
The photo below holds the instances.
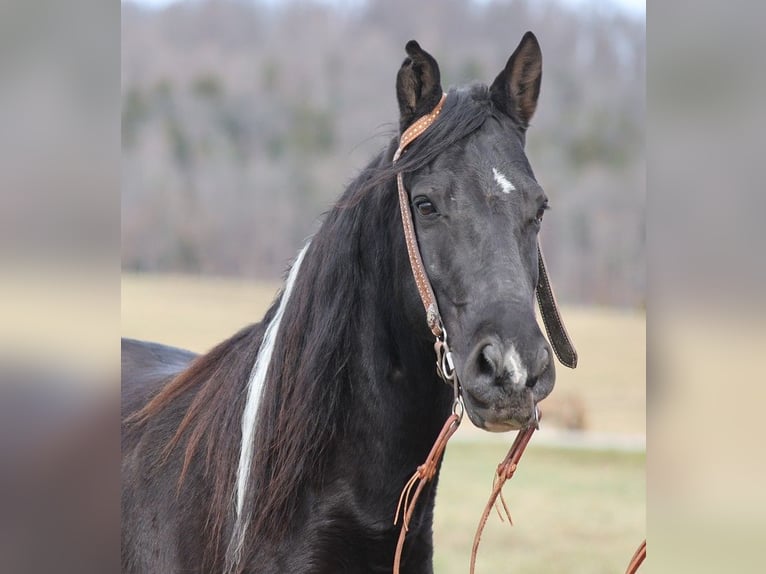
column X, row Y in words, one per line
column 242, row 122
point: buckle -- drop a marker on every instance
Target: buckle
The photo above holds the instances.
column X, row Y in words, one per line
column 445, row 366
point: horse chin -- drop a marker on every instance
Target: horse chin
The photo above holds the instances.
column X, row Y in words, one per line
column 499, row 419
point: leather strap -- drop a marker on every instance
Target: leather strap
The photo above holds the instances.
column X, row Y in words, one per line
column 426, row 471
column 416, row 262
column 505, row 471
column 637, row 559
column 554, row 326
column 423, row 475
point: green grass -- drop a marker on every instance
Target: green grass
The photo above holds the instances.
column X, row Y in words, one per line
column 573, row 511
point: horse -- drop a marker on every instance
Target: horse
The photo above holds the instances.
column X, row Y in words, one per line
column 284, row 448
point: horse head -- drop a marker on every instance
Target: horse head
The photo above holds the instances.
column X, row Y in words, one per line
column 478, row 210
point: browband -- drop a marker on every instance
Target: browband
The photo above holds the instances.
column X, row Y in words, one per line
column 557, row 333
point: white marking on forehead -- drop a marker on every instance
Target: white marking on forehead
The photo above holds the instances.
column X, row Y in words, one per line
column 514, row 366
column 503, row 181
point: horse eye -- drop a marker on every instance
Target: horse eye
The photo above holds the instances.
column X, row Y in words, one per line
column 424, row 206
column 540, row 213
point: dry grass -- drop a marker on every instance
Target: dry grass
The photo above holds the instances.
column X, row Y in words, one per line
column 197, row 312
column 573, row 511
column 190, row 312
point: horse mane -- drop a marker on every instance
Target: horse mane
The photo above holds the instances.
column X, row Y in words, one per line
column 301, row 410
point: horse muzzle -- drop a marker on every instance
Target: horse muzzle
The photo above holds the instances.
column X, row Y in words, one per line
column 503, row 383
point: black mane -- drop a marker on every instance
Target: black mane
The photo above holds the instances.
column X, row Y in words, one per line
column 315, row 347
column 349, row 286
column 465, row 110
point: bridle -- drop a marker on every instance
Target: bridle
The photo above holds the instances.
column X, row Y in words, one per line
column 557, row 334
column 559, row 338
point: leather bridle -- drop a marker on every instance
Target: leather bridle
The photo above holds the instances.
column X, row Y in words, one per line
column 557, row 334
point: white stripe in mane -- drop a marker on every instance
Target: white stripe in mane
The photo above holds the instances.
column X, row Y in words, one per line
column 254, row 391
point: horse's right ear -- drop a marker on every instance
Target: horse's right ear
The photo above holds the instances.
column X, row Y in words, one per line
column 418, row 85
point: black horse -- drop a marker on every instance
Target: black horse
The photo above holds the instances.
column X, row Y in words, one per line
column 284, row 449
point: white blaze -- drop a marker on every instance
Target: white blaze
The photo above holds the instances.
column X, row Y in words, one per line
column 515, row 367
column 503, row 181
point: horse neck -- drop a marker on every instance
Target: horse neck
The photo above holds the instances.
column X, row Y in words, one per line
column 397, row 402
column 352, row 403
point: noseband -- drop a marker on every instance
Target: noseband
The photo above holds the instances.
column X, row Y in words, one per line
column 557, row 334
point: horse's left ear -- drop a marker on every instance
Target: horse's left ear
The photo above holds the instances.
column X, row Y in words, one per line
column 516, row 88
column 418, row 85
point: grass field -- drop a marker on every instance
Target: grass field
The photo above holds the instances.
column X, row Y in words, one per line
column 574, row 511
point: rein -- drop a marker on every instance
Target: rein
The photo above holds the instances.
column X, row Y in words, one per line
column 637, row 559
column 557, row 334
column 504, row 472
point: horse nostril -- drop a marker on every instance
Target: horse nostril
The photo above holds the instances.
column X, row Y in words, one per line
column 485, row 363
column 542, row 361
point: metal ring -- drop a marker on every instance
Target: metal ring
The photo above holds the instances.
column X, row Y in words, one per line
column 458, row 408
column 447, row 366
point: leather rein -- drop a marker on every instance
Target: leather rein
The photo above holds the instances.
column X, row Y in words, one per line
column 557, row 334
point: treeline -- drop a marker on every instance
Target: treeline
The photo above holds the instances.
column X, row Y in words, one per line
column 243, row 121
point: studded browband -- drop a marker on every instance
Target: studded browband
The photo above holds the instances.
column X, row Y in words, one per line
column 557, row 333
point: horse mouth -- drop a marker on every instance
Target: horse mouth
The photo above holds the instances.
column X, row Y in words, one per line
column 512, row 412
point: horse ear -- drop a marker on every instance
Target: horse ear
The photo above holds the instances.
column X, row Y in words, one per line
column 418, row 85
column 516, row 88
